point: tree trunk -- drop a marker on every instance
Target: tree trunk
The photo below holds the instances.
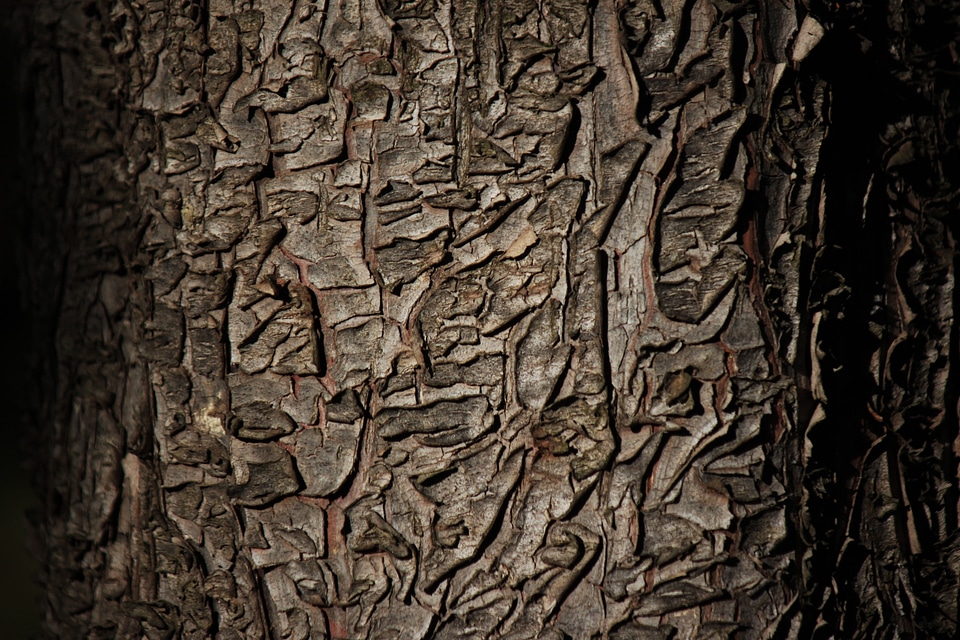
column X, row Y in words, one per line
column 457, row 319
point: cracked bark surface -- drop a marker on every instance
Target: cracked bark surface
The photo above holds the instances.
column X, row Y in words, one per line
column 452, row 319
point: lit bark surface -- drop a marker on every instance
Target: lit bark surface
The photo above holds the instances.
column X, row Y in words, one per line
column 470, row 320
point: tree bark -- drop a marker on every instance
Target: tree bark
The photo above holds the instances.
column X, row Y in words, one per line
column 525, row 320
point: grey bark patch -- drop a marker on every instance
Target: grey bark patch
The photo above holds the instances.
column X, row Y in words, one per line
column 465, row 419
column 259, row 422
column 290, row 531
column 263, row 473
column 331, row 454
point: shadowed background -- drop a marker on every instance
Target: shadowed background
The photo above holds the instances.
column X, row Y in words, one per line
column 19, row 590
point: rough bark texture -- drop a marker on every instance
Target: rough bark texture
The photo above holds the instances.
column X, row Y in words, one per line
column 457, row 319
column 880, row 482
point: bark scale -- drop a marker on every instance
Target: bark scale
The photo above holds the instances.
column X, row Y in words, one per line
column 457, row 319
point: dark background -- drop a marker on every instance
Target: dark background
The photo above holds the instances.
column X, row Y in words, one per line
column 20, row 592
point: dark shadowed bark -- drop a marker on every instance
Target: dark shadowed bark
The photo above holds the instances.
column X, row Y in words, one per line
column 512, row 319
